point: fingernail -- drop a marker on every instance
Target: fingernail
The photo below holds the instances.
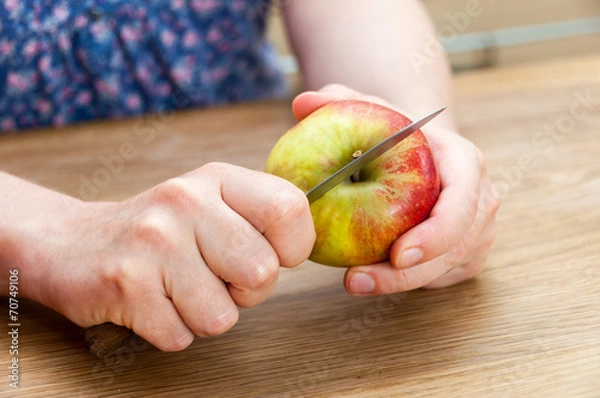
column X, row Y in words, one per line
column 362, row 283
column 410, row 257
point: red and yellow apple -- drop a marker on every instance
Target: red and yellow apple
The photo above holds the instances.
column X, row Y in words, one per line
column 358, row 221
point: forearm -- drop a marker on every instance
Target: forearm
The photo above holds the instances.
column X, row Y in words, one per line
column 31, row 217
column 386, row 48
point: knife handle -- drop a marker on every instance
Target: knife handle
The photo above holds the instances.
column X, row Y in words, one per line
column 104, row 340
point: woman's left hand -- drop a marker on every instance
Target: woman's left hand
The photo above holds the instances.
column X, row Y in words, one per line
column 453, row 243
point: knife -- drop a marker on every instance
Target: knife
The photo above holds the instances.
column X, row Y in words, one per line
column 106, row 339
column 361, row 161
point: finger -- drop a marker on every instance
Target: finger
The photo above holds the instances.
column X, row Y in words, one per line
column 239, row 254
column 201, row 298
column 141, row 304
column 274, row 206
column 458, row 274
column 451, row 217
column 382, row 278
column 156, row 320
column 481, row 234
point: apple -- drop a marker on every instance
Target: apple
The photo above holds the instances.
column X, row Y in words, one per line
column 358, row 221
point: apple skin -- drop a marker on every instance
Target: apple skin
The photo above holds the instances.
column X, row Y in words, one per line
column 357, row 222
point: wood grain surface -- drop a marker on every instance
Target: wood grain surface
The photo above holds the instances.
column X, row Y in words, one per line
column 528, row 326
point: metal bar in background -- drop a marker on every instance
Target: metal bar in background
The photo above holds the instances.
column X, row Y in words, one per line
column 497, row 38
column 521, row 35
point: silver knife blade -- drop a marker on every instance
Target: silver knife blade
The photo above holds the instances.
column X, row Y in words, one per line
column 373, row 153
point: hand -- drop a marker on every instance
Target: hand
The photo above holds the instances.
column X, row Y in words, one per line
column 452, row 244
column 177, row 260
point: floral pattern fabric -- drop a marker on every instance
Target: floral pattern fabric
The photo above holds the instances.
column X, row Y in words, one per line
column 65, row 61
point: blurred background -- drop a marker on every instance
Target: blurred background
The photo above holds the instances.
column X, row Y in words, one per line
column 497, row 33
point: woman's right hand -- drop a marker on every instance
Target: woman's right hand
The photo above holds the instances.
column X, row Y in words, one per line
column 177, row 260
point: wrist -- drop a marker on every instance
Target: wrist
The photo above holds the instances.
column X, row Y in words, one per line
column 35, row 222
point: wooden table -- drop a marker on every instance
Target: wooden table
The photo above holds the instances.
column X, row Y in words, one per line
column 528, row 326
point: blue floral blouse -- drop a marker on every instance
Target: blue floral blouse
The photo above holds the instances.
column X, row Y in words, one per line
column 63, row 61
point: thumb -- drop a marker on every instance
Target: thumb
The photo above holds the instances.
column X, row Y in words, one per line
column 309, row 101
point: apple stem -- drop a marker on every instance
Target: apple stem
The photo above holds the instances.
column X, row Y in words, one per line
column 356, row 176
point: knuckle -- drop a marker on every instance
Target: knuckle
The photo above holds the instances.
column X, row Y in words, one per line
column 490, row 202
column 125, row 279
column 488, row 238
column 459, row 253
column 479, row 157
column 217, row 325
column 179, row 343
column 442, row 233
column 214, row 168
column 261, row 271
column 287, row 205
column 152, row 229
column 175, row 193
column 400, row 282
column 494, row 202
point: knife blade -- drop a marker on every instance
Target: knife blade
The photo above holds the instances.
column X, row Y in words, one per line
column 367, row 157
